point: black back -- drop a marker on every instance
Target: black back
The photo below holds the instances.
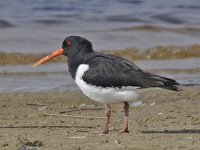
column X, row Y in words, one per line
column 111, row 71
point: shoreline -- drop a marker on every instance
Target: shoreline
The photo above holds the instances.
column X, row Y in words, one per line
column 153, row 53
column 161, row 120
column 56, row 77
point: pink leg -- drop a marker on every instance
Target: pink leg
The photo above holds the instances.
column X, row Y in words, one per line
column 126, row 110
column 107, row 119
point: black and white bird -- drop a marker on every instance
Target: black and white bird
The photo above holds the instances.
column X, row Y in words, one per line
column 105, row 78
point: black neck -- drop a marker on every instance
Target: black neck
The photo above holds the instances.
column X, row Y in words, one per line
column 76, row 55
column 74, row 61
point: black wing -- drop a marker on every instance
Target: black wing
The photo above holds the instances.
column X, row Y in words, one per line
column 111, row 71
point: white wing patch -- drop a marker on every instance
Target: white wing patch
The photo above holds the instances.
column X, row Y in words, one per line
column 101, row 94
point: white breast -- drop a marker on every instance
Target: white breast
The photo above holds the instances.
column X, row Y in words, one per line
column 104, row 95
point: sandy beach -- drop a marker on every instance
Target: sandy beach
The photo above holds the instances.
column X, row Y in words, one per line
column 42, row 108
column 58, row 120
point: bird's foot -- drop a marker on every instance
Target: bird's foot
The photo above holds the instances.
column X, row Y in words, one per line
column 125, row 130
column 104, row 131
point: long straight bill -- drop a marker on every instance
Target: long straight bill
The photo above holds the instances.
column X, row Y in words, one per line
column 48, row 57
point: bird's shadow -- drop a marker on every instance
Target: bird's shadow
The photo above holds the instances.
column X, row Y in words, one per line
column 183, row 131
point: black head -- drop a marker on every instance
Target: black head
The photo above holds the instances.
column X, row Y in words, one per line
column 76, row 45
column 73, row 46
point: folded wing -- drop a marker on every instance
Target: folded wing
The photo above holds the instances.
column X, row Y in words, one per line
column 111, row 71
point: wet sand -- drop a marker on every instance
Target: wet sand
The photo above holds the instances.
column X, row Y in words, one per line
column 164, row 120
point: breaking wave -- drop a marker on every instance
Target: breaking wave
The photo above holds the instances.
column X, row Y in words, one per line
column 158, row 52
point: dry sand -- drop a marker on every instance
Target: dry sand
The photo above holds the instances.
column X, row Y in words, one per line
column 164, row 120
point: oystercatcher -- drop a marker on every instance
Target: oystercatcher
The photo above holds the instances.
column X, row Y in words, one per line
column 106, row 78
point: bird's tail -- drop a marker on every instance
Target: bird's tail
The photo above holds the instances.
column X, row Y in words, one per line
column 170, row 84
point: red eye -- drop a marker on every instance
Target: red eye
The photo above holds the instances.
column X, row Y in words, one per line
column 68, row 43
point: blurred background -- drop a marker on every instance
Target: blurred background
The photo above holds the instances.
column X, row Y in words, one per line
column 160, row 36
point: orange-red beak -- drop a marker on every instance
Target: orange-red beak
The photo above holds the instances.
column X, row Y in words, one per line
column 48, row 57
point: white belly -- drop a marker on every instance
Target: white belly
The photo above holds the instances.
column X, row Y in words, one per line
column 104, row 95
